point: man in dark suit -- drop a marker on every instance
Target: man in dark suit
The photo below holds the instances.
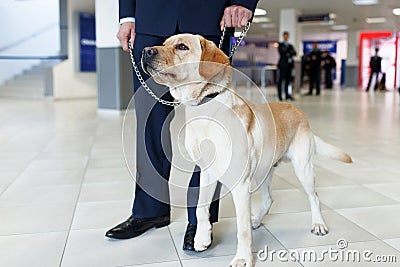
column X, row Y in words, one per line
column 329, row 66
column 285, row 66
column 148, row 23
column 376, row 67
column 315, row 69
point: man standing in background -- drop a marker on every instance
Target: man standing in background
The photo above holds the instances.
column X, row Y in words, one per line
column 315, row 69
column 147, row 23
column 329, row 66
column 376, row 67
column 285, row 66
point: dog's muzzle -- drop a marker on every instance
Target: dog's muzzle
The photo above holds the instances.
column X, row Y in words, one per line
column 149, row 53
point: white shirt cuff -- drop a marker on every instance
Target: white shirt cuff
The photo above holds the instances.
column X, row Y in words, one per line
column 129, row 19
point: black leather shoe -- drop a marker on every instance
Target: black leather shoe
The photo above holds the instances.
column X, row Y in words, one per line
column 134, row 227
column 188, row 240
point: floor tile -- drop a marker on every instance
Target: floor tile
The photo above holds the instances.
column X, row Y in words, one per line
column 100, row 175
column 393, row 242
column 106, row 191
column 29, row 250
column 48, row 178
column 116, row 162
column 94, row 215
column 224, row 239
column 293, row 229
column 351, row 197
column 390, row 190
column 57, row 164
column 7, row 177
column 351, row 254
column 16, row 195
column 36, row 218
column 225, row 261
column 381, row 221
column 153, row 246
column 161, row 264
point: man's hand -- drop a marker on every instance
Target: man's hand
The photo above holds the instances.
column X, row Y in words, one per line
column 126, row 32
column 235, row 16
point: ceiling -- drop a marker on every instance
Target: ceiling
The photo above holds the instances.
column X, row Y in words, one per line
column 347, row 14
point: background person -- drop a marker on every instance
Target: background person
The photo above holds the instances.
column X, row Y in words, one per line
column 285, row 66
column 304, row 67
column 315, row 69
column 329, row 65
column 148, row 23
column 376, row 67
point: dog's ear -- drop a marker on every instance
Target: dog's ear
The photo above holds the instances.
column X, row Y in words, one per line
column 211, row 53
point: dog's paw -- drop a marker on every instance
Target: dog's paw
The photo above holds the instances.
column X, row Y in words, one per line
column 319, row 229
column 202, row 239
column 242, row 262
column 255, row 222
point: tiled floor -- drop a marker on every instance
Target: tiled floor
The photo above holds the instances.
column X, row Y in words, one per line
column 63, row 183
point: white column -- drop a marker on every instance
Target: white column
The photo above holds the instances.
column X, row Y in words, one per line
column 114, row 70
column 289, row 22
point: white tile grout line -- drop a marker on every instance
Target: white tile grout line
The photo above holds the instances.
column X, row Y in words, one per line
column 262, row 224
column 176, row 250
column 77, row 200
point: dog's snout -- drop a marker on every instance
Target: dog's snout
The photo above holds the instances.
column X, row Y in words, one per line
column 150, row 52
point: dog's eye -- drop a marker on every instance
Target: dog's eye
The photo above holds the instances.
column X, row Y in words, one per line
column 182, row 46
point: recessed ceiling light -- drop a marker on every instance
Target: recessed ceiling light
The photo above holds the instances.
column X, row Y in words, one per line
column 396, row 11
column 260, row 12
column 261, row 19
column 375, row 20
column 365, row 2
column 340, row 27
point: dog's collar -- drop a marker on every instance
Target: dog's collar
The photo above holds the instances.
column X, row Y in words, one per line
column 207, row 98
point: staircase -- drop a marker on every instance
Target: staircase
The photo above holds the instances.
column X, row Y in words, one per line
column 32, row 83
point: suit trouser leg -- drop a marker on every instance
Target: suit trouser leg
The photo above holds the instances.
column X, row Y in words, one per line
column 376, row 81
column 312, row 81
column 369, row 81
column 318, row 81
column 288, row 80
column 279, row 85
column 153, row 146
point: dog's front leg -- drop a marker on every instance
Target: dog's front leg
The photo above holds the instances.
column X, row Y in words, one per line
column 241, row 197
column 202, row 239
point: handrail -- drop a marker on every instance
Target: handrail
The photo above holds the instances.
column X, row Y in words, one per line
column 33, row 57
column 26, row 38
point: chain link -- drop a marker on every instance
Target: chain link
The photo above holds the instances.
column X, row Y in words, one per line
column 177, row 103
column 238, row 41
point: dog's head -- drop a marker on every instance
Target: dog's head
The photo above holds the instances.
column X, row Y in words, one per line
column 189, row 65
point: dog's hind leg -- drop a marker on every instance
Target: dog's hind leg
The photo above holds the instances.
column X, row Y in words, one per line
column 266, row 200
column 301, row 156
column 202, row 239
column 241, row 198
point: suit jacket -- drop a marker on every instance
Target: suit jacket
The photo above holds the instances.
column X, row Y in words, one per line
column 286, row 52
column 161, row 17
column 376, row 64
column 329, row 62
column 315, row 59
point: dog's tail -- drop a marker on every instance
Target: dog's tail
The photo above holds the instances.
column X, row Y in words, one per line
column 327, row 150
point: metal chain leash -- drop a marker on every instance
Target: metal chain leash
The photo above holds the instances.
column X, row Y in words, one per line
column 238, row 41
column 177, row 103
column 144, row 84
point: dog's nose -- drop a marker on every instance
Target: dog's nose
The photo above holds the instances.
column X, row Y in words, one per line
column 149, row 52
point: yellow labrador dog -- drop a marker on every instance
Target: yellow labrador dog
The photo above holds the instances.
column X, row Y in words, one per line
column 248, row 139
